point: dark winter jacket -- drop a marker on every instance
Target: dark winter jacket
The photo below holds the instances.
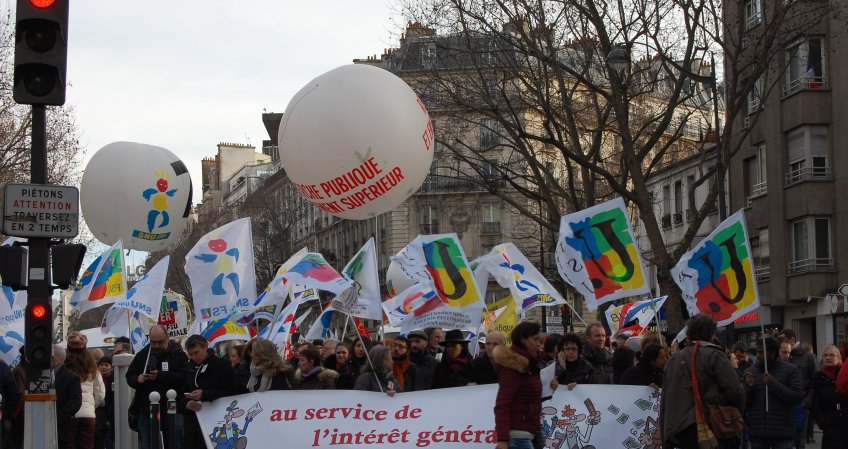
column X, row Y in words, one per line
column 642, row 374
column 805, row 361
column 370, row 381
column 348, row 372
column 9, row 390
column 578, row 371
column 786, row 392
column 68, row 401
column 601, row 362
column 517, row 405
column 171, row 365
column 216, row 379
column 324, row 379
column 446, row 376
column 426, row 365
column 284, row 380
column 717, row 381
column 829, row 408
column 481, row 371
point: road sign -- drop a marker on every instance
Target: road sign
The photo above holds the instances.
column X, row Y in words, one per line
column 843, row 290
column 37, row 210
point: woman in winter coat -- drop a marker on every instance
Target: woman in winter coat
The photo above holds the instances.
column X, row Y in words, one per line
column 342, row 364
column 829, row 408
column 310, row 375
column 81, row 363
column 518, row 404
column 571, row 369
column 268, row 371
column 358, row 357
column 649, row 370
column 381, row 378
column 452, row 370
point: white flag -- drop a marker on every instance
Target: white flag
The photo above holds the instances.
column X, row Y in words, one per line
column 145, row 296
column 103, row 282
column 363, row 299
column 512, row 270
column 221, row 270
column 321, row 326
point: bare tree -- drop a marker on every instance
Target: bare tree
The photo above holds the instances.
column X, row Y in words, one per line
column 579, row 101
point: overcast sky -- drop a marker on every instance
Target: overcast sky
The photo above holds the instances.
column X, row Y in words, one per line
column 186, row 75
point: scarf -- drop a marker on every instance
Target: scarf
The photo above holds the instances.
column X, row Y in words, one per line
column 263, row 379
column 398, row 369
column 314, row 371
column 458, row 363
column 831, row 371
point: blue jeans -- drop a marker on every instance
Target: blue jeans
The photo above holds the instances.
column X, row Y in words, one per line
column 144, row 430
column 520, row 443
column 767, row 444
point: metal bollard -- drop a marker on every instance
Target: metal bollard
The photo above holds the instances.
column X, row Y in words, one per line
column 171, row 431
column 155, row 440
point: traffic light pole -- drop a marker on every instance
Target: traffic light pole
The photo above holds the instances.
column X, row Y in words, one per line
column 40, row 406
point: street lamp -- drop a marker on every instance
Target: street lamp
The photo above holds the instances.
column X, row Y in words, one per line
column 619, row 59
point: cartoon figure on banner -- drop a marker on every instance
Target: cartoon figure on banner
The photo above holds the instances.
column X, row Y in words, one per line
column 228, row 435
column 645, row 434
column 158, row 198
column 567, row 429
column 224, row 261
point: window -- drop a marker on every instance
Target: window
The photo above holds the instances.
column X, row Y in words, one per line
column 665, row 219
column 491, row 218
column 429, row 219
column 811, row 245
column 760, row 253
column 807, row 150
column 755, row 96
column 806, row 65
column 489, row 133
column 490, row 169
column 677, row 218
column 428, row 55
column 755, row 174
column 753, row 13
column 690, row 187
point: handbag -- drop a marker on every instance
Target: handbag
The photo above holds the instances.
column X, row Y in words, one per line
column 132, row 416
column 723, row 422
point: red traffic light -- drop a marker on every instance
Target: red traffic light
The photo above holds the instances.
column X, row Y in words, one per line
column 38, row 311
column 42, row 4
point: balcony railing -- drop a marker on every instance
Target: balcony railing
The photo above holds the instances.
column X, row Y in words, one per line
column 677, row 218
column 806, row 173
column 690, row 215
column 804, row 83
column 491, row 227
column 437, row 183
column 753, row 20
column 665, row 221
column 763, row 273
column 759, row 189
column 811, row 265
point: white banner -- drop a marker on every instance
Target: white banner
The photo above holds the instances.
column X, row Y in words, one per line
column 337, row 418
column 601, row 416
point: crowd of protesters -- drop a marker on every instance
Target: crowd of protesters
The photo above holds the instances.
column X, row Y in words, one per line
column 801, row 392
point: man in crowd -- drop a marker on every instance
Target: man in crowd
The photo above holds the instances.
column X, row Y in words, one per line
column 122, row 346
column 772, row 427
column 159, row 367
column 805, row 361
column 785, row 350
column 743, row 362
column 404, row 370
column 480, row 370
column 68, row 396
column 328, row 349
column 435, row 335
column 11, row 398
column 209, row 378
column 424, row 362
column 597, row 354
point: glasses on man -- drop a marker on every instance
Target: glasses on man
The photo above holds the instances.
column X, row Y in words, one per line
column 399, row 346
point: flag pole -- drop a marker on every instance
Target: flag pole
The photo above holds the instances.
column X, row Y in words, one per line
column 368, row 358
column 344, row 329
column 765, row 361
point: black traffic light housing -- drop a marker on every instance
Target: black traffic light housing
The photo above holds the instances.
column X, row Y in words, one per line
column 41, row 52
column 13, row 267
column 65, row 262
column 38, row 334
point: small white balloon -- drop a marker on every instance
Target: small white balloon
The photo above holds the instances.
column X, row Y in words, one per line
column 136, row 192
column 356, row 141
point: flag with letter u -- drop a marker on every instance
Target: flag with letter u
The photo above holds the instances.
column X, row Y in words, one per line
column 717, row 276
column 596, row 254
column 102, row 282
column 221, row 270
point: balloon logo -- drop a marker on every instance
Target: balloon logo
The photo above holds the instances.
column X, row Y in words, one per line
column 136, row 192
column 356, row 141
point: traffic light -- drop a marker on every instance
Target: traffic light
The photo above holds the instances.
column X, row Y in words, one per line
column 38, row 338
column 41, row 52
column 66, row 261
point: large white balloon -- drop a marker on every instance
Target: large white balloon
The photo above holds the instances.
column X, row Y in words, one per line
column 136, row 192
column 356, row 141
column 396, row 281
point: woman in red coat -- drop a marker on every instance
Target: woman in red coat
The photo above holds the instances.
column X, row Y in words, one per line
column 519, row 402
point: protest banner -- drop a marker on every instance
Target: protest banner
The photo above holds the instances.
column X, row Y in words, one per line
column 601, row 416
